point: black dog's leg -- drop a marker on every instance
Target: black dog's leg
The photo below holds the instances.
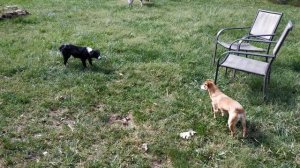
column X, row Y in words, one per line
column 83, row 62
column 90, row 61
column 66, row 57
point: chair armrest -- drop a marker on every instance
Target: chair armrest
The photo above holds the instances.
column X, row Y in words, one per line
column 260, row 35
column 251, row 53
column 238, row 41
column 229, row 28
column 226, row 54
column 247, row 39
column 255, row 40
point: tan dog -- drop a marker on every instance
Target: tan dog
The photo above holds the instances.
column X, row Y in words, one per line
column 222, row 102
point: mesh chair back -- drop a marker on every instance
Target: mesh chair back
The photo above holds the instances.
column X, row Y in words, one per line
column 281, row 39
column 266, row 22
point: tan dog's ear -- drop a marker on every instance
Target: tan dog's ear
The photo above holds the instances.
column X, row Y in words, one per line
column 209, row 83
column 210, row 80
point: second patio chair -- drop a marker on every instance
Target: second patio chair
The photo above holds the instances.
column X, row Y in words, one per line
column 261, row 31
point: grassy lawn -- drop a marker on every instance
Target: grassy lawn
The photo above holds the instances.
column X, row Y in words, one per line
column 156, row 58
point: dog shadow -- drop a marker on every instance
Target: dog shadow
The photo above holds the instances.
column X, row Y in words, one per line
column 149, row 4
column 104, row 67
column 255, row 137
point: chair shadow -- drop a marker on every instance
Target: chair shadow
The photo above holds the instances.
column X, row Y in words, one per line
column 282, row 93
column 295, row 66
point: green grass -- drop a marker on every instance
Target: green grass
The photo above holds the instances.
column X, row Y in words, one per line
column 156, row 58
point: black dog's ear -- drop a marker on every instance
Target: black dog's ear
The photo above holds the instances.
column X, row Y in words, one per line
column 95, row 53
column 62, row 47
column 65, row 47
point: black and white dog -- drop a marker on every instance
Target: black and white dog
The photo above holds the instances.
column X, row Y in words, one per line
column 84, row 53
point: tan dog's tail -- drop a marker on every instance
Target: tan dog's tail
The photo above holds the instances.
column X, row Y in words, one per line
column 243, row 120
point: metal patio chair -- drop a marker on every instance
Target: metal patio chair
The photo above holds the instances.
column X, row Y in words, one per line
column 262, row 30
column 235, row 60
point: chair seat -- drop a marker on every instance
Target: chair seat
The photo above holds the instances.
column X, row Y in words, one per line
column 243, row 47
column 246, row 64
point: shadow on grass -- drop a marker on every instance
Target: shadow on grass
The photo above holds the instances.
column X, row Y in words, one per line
column 102, row 69
column 295, row 66
column 150, row 4
column 255, row 137
column 101, row 66
column 283, row 94
column 279, row 91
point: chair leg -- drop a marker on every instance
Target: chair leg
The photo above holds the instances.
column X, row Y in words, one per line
column 214, row 54
column 265, row 86
column 217, row 71
column 269, row 75
column 268, row 50
column 234, row 74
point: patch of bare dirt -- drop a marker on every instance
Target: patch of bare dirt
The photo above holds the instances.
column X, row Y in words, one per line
column 126, row 121
column 158, row 163
column 21, row 124
column 100, row 107
column 58, row 121
column 58, row 112
column 2, row 163
column 12, row 11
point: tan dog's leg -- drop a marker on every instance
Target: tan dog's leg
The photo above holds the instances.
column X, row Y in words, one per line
column 142, row 2
column 222, row 111
column 243, row 119
column 232, row 120
column 130, row 3
column 215, row 109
